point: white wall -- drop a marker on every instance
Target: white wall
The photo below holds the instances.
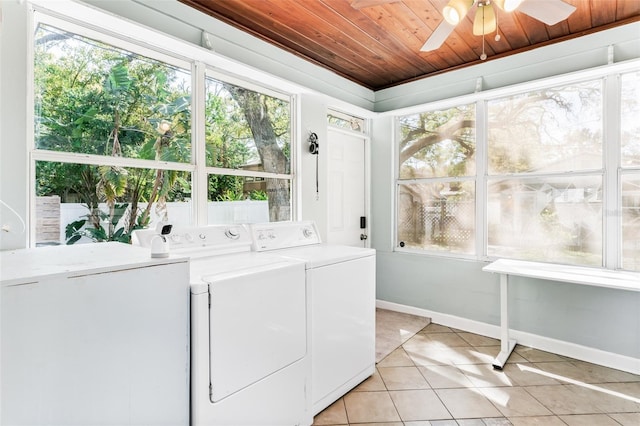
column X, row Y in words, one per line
column 314, row 200
column 13, row 123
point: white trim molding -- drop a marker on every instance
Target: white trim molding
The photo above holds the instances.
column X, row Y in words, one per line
column 559, row 347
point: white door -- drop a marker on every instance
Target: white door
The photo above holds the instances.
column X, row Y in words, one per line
column 346, row 189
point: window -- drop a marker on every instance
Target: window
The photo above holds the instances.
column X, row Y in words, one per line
column 248, row 133
column 106, row 203
column 345, row 121
column 545, row 185
column 94, row 98
column 115, row 148
column 630, row 178
column 112, row 104
column 545, row 170
column 436, row 180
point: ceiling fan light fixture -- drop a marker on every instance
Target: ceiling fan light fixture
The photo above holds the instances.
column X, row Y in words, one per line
column 508, row 5
column 485, row 20
column 455, row 10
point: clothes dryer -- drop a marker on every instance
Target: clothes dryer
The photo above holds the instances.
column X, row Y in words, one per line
column 250, row 361
column 341, row 280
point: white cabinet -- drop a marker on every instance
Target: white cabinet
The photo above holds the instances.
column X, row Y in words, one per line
column 102, row 341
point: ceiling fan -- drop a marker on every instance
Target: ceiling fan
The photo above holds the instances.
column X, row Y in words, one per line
column 549, row 12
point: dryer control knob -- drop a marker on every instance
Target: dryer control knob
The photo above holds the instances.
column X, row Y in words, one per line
column 232, row 233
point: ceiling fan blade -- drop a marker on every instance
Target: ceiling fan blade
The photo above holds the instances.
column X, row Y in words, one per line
column 548, row 11
column 438, row 36
column 360, row 4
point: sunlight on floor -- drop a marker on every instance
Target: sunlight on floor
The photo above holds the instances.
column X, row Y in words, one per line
column 577, row 382
column 445, row 376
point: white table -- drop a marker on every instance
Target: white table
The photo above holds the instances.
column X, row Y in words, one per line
column 621, row 280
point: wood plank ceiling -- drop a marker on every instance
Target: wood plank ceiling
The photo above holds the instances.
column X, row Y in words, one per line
column 376, row 43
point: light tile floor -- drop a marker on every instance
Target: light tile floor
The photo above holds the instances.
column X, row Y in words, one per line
column 443, row 377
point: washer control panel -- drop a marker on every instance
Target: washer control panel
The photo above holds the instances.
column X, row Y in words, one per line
column 223, row 238
column 280, row 235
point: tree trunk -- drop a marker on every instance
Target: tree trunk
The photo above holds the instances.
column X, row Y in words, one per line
column 272, row 157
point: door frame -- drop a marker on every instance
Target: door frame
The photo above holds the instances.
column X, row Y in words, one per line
column 367, row 172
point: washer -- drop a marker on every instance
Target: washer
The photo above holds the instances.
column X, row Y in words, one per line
column 250, row 362
column 341, row 280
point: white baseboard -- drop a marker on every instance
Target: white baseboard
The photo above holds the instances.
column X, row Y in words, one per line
column 559, row 347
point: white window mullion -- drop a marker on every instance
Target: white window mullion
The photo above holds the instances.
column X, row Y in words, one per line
column 481, row 178
column 242, row 172
column 395, row 156
column 198, row 146
column 296, row 158
column 611, row 202
column 30, row 145
column 107, row 160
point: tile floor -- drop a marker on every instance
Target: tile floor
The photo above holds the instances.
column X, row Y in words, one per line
column 442, row 376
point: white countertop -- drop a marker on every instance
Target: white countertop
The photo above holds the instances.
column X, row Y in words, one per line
column 29, row 265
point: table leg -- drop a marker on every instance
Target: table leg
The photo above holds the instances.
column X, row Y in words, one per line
column 506, row 344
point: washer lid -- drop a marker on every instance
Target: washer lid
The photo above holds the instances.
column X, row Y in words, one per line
column 320, row 255
column 210, row 269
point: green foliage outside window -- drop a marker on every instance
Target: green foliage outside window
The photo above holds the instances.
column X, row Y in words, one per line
column 96, row 99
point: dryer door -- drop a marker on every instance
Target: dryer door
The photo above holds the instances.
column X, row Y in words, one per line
column 257, row 324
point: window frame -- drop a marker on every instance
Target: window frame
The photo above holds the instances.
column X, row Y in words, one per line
column 437, row 106
column 612, row 170
column 93, row 24
column 631, row 171
column 532, row 175
column 345, row 116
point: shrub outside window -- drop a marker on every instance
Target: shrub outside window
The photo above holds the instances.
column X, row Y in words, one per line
column 94, row 98
column 112, row 104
